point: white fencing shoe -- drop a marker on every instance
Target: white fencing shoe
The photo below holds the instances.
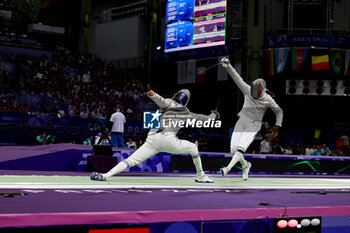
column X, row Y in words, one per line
column 204, row 179
column 246, row 170
column 224, row 171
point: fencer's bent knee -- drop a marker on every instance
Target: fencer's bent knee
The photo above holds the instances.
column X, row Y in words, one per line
column 193, row 150
column 241, row 150
column 234, row 149
column 195, row 156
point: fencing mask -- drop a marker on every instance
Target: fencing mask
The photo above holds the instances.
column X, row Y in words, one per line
column 182, row 97
column 258, row 88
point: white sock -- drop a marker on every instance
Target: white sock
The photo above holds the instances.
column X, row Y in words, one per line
column 243, row 162
column 116, row 170
column 198, row 164
column 238, row 156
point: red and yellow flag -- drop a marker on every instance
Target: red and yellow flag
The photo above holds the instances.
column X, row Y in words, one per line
column 320, row 62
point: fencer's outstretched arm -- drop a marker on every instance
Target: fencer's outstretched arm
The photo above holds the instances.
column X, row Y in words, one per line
column 243, row 86
column 278, row 112
column 160, row 101
column 279, row 117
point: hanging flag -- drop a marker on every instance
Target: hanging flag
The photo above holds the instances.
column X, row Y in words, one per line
column 281, row 55
column 337, row 59
column 299, row 55
column 320, row 62
column 270, row 62
column 346, row 63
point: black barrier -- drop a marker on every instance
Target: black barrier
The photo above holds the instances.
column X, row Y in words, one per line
column 266, row 165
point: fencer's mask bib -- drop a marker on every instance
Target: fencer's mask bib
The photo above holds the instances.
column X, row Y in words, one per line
column 258, row 88
column 182, row 97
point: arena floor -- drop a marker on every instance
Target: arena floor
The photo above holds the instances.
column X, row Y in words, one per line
column 42, row 198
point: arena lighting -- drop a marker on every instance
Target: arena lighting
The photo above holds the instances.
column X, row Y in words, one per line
column 292, row 223
column 315, row 222
column 320, row 83
column 347, row 87
column 306, row 90
column 297, row 224
column 333, row 91
column 319, row 90
column 347, row 83
column 305, row 222
column 334, row 83
column 347, row 91
column 292, row 83
column 282, row 223
column 292, row 90
column 317, row 87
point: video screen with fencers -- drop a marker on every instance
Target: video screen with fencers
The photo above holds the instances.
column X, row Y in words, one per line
column 194, row 24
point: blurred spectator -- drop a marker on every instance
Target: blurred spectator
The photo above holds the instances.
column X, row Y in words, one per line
column 41, row 139
column 341, row 147
column 88, row 141
column 131, row 144
column 317, row 151
column 265, row 146
column 325, row 150
column 277, row 149
column 117, row 131
column 50, row 138
column 139, row 143
column 288, row 150
column 61, row 112
column 308, row 150
column 84, row 113
column 345, row 139
column 312, row 149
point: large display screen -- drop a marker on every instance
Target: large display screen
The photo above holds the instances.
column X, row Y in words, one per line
column 194, row 24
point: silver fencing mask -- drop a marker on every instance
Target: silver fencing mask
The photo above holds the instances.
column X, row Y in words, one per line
column 258, row 88
column 182, row 97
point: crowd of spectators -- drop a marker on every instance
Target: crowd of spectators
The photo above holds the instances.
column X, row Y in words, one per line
column 268, row 146
column 81, row 85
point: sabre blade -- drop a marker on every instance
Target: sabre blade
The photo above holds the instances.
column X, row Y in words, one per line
column 210, row 67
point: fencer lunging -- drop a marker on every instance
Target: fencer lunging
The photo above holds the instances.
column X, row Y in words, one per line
column 165, row 139
column 256, row 102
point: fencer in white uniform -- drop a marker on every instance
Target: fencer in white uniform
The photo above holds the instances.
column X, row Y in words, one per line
column 165, row 139
column 256, row 102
